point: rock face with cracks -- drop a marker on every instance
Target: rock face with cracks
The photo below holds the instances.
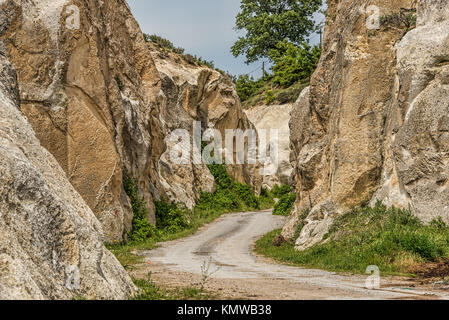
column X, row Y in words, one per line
column 196, row 98
column 371, row 127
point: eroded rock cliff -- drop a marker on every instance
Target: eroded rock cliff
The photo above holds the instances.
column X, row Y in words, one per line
column 195, row 93
column 91, row 90
column 275, row 117
column 372, row 124
column 88, row 87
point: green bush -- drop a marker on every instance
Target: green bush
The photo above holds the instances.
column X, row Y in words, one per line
column 141, row 229
column 404, row 19
column 279, row 191
column 221, row 176
column 269, row 97
column 247, row 87
column 173, row 220
column 246, row 194
column 170, row 217
column 294, row 63
column 164, row 43
column 285, row 205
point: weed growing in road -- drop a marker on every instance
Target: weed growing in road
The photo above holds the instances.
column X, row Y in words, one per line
column 207, row 273
column 392, row 239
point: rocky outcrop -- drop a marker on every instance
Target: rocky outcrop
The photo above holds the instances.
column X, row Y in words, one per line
column 194, row 93
column 89, row 87
column 372, row 127
column 416, row 155
column 51, row 244
column 275, row 117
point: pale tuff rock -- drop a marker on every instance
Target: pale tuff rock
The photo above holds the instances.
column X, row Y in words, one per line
column 419, row 124
column 51, row 244
column 192, row 93
column 90, row 94
column 375, row 125
column 269, row 117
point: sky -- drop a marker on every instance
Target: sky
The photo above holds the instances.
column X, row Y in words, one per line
column 203, row 27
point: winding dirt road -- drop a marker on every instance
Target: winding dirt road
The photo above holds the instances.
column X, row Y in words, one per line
column 228, row 244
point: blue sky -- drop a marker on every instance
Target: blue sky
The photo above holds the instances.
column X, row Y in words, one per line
column 202, row 27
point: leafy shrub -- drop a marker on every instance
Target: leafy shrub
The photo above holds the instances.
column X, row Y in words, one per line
column 404, row 19
column 170, row 217
column 247, row 87
column 266, row 199
column 164, row 43
column 294, row 63
column 285, row 205
column 279, row 191
column 269, row 97
column 141, row 229
column 246, row 194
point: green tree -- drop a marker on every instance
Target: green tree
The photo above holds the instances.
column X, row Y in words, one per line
column 293, row 63
column 267, row 22
column 246, row 86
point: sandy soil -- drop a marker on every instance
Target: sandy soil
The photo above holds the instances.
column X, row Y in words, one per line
column 236, row 273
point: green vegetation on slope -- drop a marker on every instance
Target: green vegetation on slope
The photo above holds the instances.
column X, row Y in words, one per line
column 168, row 46
column 392, row 239
column 285, row 205
column 266, row 23
column 292, row 68
column 174, row 221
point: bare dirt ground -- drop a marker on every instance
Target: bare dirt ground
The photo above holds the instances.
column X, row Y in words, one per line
column 227, row 244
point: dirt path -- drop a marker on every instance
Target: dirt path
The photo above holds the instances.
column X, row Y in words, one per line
column 228, row 243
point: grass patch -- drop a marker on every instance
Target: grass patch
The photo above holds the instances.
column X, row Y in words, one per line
column 150, row 291
column 392, row 239
column 286, row 201
column 264, row 91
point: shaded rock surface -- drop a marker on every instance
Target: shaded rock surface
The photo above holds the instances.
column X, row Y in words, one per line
column 371, row 125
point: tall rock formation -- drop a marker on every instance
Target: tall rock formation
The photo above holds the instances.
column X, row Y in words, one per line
column 51, row 244
column 88, row 87
column 196, row 93
column 275, row 117
column 371, row 125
